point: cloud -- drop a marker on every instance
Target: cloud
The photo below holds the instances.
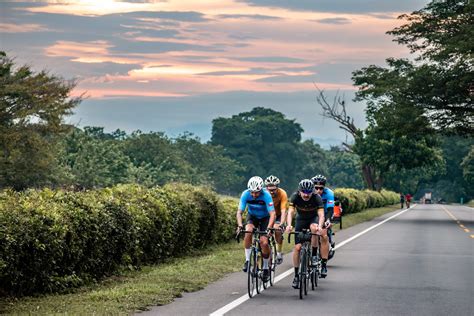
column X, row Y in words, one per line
column 272, row 59
column 174, row 115
column 345, row 6
column 286, row 78
column 248, row 16
column 22, row 28
column 337, row 21
column 182, row 16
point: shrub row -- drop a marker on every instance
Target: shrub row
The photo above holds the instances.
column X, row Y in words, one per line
column 53, row 240
column 354, row 201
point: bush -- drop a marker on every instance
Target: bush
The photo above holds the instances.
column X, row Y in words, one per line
column 354, row 201
column 53, row 240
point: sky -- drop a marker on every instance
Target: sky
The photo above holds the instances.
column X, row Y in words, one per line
column 175, row 65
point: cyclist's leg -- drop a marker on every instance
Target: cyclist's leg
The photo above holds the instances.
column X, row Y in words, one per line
column 314, row 239
column 299, row 225
column 248, row 240
column 278, row 240
column 324, row 240
column 262, row 225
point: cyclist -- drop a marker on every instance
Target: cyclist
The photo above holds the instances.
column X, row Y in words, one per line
column 309, row 214
column 261, row 214
column 408, row 199
column 327, row 195
column 402, row 199
column 280, row 200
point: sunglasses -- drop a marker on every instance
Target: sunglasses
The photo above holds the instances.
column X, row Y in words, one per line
column 319, row 188
column 272, row 190
column 307, row 191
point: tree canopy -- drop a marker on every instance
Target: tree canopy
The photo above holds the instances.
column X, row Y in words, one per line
column 32, row 108
column 441, row 80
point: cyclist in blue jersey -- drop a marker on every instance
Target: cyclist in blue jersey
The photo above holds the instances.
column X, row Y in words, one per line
column 327, row 195
column 260, row 214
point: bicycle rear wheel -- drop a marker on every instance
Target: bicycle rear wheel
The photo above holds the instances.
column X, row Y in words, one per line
column 252, row 273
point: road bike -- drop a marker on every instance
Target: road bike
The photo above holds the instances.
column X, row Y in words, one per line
column 308, row 272
column 255, row 281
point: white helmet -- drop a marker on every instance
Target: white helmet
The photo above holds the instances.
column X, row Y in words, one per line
column 272, row 180
column 255, row 184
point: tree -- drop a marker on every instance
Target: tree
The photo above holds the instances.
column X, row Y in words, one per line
column 263, row 141
column 442, row 83
column 344, row 169
column 32, row 108
column 155, row 152
column 211, row 165
column 398, row 137
column 95, row 159
column 468, row 167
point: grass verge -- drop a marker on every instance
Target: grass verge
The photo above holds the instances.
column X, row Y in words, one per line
column 153, row 285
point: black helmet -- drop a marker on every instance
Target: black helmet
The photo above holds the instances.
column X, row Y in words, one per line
column 272, row 180
column 306, row 185
column 319, row 179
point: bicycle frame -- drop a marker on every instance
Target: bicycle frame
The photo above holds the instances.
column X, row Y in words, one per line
column 306, row 270
column 254, row 271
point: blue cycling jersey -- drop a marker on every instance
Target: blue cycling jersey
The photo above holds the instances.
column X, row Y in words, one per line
column 328, row 199
column 259, row 207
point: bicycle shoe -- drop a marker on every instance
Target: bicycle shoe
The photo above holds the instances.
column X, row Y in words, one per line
column 246, row 265
column 314, row 260
column 279, row 259
column 296, row 282
column 324, row 271
column 333, row 244
column 265, row 275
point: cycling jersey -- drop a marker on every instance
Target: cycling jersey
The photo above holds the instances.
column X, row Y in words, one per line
column 259, row 207
column 280, row 200
column 306, row 209
column 328, row 199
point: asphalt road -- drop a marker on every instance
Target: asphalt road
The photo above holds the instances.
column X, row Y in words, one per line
column 418, row 263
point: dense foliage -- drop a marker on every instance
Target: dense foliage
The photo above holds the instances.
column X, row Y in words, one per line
column 53, row 240
column 32, row 106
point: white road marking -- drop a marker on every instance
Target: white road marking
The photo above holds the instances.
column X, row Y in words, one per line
column 243, row 298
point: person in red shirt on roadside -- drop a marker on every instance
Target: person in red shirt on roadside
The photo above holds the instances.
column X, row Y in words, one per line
column 408, row 199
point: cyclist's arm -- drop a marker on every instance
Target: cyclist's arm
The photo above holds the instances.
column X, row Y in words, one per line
column 272, row 220
column 284, row 202
column 241, row 209
column 239, row 217
column 321, row 217
column 270, row 208
column 289, row 218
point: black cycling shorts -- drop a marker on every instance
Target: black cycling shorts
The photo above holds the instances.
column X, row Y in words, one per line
column 304, row 223
column 260, row 223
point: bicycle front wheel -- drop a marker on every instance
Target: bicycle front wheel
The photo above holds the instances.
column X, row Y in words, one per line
column 252, row 273
column 307, row 274
column 302, row 272
column 272, row 263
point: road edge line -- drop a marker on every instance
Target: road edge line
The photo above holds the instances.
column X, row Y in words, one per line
column 230, row 306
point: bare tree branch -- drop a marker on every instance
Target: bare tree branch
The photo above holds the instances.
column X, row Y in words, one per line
column 336, row 111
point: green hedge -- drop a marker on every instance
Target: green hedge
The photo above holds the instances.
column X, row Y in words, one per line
column 53, row 240
column 354, row 201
